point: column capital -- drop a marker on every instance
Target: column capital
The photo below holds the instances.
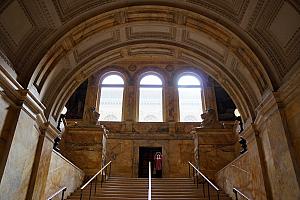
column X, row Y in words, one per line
column 270, row 103
column 51, row 132
column 249, row 133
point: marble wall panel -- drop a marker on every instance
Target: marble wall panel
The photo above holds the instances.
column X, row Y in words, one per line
column 244, row 173
column 125, row 156
column 83, row 147
column 121, row 153
column 3, row 112
column 16, row 176
column 212, row 158
column 62, row 173
column 4, row 106
column 180, row 152
column 43, row 158
column 216, row 147
column 279, row 164
column 292, row 113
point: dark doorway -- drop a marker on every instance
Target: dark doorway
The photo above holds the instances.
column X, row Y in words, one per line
column 146, row 155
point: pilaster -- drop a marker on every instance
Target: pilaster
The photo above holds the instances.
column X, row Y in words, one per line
column 273, row 135
column 42, row 161
column 91, row 99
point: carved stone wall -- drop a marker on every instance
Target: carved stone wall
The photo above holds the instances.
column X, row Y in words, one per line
column 245, row 172
column 62, row 173
column 82, row 145
column 216, row 149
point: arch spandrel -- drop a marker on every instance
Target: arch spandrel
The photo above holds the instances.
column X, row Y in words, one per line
column 189, row 37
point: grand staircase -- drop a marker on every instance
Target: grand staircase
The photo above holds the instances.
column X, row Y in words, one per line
column 137, row 188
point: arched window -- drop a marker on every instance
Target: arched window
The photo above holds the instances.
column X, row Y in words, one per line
column 111, row 98
column 150, row 100
column 190, row 98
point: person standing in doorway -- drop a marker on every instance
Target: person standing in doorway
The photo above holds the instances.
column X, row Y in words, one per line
column 158, row 164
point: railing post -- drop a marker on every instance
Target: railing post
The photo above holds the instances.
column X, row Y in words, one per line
column 109, row 170
column 203, row 182
column 90, row 191
column 95, row 185
column 189, row 170
column 80, row 194
column 218, row 194
column 63, row 192
column 106, row 175
column 197, row 179
column 208, row 191
column 236, row 196
column 194, row 175
column 101, row 178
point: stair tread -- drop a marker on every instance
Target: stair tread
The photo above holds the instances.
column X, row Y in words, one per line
column 123, row 188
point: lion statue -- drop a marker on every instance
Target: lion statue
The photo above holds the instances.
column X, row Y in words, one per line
column 209, row 120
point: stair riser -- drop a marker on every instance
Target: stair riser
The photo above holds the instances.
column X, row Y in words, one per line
column 137, row 189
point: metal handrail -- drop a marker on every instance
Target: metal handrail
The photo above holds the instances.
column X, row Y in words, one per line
column 206, row 179
column 56, row 193
column 95, row 178
column 235, row 190
column 149, row 187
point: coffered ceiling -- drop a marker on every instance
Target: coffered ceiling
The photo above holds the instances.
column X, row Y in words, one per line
column 29, row 28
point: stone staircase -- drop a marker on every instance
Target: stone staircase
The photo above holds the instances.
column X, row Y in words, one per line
column 137, row 189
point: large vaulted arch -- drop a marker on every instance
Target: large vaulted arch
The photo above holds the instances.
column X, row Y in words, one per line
column 54, row 55
column 173, row 33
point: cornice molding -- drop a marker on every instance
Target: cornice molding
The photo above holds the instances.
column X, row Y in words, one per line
column 51, row 131
column 17, row 96
column 290, row 90
column 270, row 103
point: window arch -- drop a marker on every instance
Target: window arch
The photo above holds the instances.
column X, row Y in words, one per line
column 190, row 98
column 111, row 97
column 150, row 98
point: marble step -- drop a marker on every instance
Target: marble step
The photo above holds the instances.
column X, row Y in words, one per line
column 137, row 188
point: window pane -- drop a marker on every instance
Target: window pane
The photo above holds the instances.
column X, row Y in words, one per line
column 188, row 80
column 190, row 104
column 150, row 108
column 113, row 79
column 110, row 107
column 151, row 80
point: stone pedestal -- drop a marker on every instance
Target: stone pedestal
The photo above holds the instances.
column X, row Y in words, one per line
column 214, row 149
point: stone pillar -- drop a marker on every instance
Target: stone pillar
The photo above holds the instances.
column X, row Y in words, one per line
column 171, row 108
column 41, row 163
column 20, row 141
column 210, row 96
column 275, row 145
column 129, row 105
column 91, row 99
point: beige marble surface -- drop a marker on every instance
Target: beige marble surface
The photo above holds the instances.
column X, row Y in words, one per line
column 62, row 173
column 83, row 147
column 217, row 148
column 3, row 110
column 125, row 156
column 244, row 173
column 16, row 177
column 43, row 158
